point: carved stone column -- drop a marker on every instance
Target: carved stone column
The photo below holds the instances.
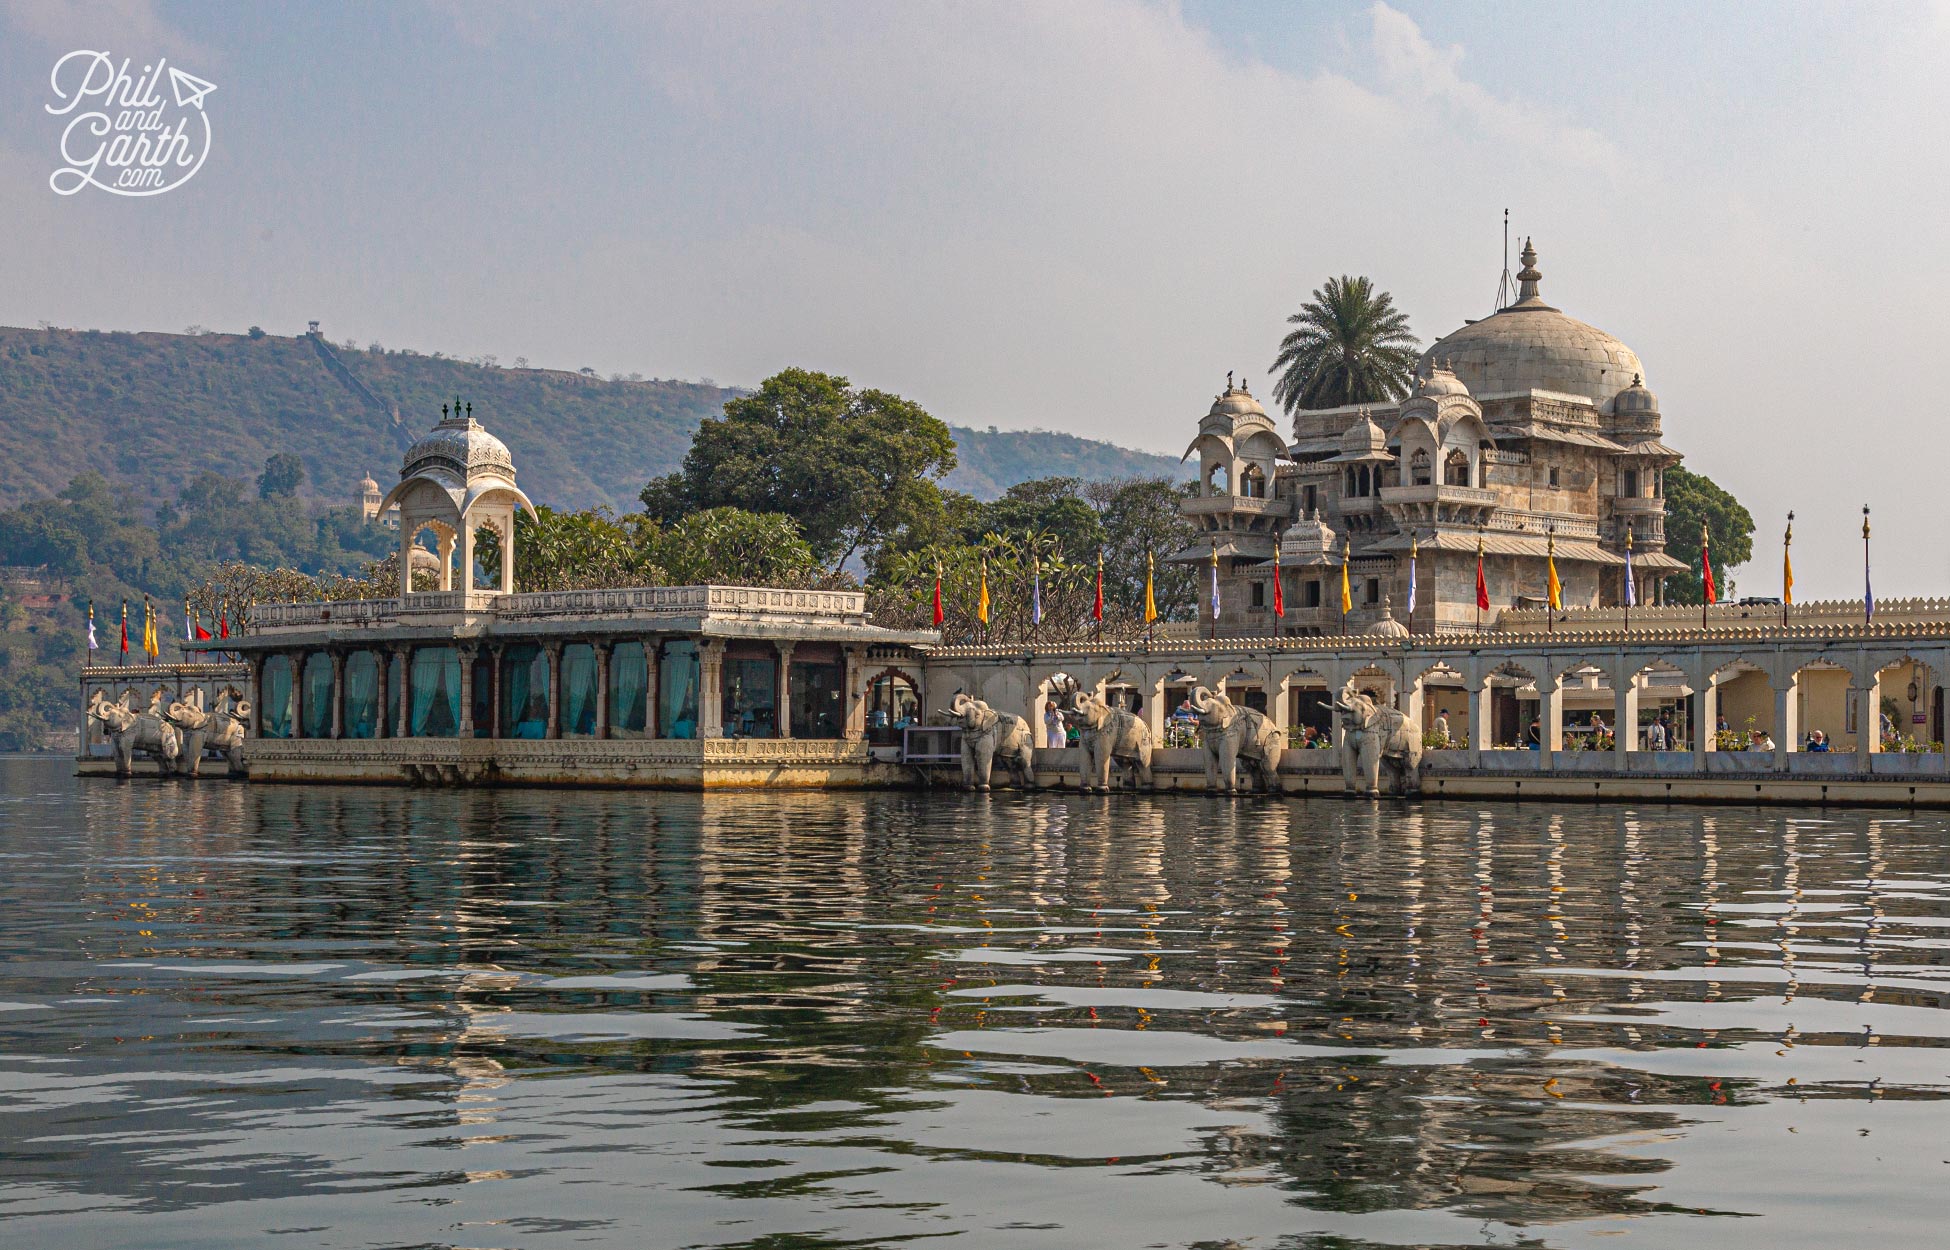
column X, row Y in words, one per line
column 405, row 692
column 854, row 705
column 382, row 720
column 447, row 561
column 554, row 653
column 467, row 654
column 338, row 694
column 602, row 646
column 783, row 712
column 257, row 695
column 710, row 688
column 494, row 687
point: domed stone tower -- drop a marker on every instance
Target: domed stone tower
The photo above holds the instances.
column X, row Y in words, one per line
column 457, row 480
column 1240, row 505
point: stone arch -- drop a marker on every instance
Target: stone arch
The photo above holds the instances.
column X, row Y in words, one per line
column 1456, row 468
column 487, row 568
column 1252, row 481
column 439, row 559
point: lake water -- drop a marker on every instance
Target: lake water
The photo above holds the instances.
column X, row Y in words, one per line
column 280, row 1016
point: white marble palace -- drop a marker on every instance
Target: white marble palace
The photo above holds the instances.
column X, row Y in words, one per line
column 1527, row 431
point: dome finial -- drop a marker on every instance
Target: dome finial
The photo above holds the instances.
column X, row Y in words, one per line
column 1228, row 379
column 1528, row 276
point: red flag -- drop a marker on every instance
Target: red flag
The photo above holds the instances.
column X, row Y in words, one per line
column 1097, row 610
column 939, row 616
column 1706, row 574
column 223, row 624
column 125, row 627
column 1482, row 587
column 202, row 634
column 1279, row 599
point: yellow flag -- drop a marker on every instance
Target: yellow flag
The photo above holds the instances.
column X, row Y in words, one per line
column 982, row 600
column 1556, row 588
column 1787, row 564
column 1150, row 594
column 1347, row 594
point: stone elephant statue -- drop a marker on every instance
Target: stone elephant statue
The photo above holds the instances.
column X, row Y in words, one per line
column 133, row 731
column 1377, row 735
column 1110, row 735
column 987, row 736
column 1235, row 735
column 220, row 730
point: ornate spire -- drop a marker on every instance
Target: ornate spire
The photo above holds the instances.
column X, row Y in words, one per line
column 1528, row 276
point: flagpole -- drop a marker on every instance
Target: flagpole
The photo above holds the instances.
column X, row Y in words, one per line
column 1631, row 591
column 1868, row 591
column 1787, row 570
column 1480, row 583
column 1705, row 573
column 1550, row 578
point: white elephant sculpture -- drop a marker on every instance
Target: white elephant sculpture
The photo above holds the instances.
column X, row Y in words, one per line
column 1377, row 735
column 221, row 730
column 1235, row 735
column 1111, row 735
column 987, row 736
column 133, row 731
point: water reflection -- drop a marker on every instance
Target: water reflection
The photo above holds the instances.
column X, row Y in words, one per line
column 383, row 1017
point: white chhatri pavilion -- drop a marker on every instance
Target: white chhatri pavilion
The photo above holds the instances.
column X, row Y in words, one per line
column 455, row 481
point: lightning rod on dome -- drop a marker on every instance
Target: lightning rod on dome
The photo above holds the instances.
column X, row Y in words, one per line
column 1504, row 286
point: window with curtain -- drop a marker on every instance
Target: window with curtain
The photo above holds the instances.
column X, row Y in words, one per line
column 524, row 692
column 317, row 707
column 677, row 691
column 362, row 695
column 818, row 707
column 578, row 690
column 751, row 698
column 435, row 687
column 274, row 699
column 483, row 696
column 629, row 685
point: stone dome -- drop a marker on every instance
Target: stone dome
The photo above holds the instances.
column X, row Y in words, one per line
column 1366, row 440
column 460, row 445
column 367, row 486
column 1532, row 346
column 1636, row 399
column 1236, row 402
column 1440, row 382
column 1387, row 626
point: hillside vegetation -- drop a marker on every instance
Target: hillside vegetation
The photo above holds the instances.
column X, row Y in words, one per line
column 155, row 410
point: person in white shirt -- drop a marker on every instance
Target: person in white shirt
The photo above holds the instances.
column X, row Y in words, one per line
column 1053, row 734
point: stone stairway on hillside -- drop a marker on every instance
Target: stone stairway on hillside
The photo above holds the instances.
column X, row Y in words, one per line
column 336, row 367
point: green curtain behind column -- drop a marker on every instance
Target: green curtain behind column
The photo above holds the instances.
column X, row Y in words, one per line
column 677, row 691
column 318, row 695
column 629, row 685
column 436, row 693
column 274, row 699
column 578, row 690
column 524, row 692
column 362, row 695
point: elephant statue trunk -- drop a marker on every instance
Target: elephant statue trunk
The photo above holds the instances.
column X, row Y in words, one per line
column 988, row 735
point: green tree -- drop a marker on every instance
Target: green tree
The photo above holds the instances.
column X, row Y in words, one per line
column 851, row 467
column 736, row 547
column 1349, row 345
column 1693, row 499
column 284, row 473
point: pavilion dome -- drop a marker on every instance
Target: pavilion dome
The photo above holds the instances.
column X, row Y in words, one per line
column 368, row 486
column 1532, row 346
column 1441, row 381
column 1635, row 399
column 460, row 445
column 1236, row 402
column 1387, row 626
column 1365, row 439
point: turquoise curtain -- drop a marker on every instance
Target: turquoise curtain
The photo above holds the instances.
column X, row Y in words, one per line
column 318, row 696
column 274, row 700
column 362, row 695
column 524, row 692
column 677, row 691
column 629, row 682
column 578, row 690
column 436, row 692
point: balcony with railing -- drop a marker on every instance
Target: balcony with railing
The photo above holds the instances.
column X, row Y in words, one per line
column 824, row 607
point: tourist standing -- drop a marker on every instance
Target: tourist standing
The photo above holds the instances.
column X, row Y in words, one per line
column 1053, row 734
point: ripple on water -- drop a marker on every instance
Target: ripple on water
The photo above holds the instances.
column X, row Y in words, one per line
column 234, row 1016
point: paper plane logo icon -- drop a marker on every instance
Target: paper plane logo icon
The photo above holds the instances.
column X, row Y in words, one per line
column 189, row 89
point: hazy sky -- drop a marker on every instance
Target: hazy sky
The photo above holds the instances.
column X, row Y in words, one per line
column 1075, row 215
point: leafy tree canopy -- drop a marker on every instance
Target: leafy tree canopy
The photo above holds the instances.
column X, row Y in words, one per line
column 283, row 474
column 851, row 467
column 1693, row 498
column 1349, row 345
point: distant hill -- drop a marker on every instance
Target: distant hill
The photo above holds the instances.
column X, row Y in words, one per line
column 154, row 410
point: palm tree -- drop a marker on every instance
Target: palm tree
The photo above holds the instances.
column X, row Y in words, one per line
column 1350, row 345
